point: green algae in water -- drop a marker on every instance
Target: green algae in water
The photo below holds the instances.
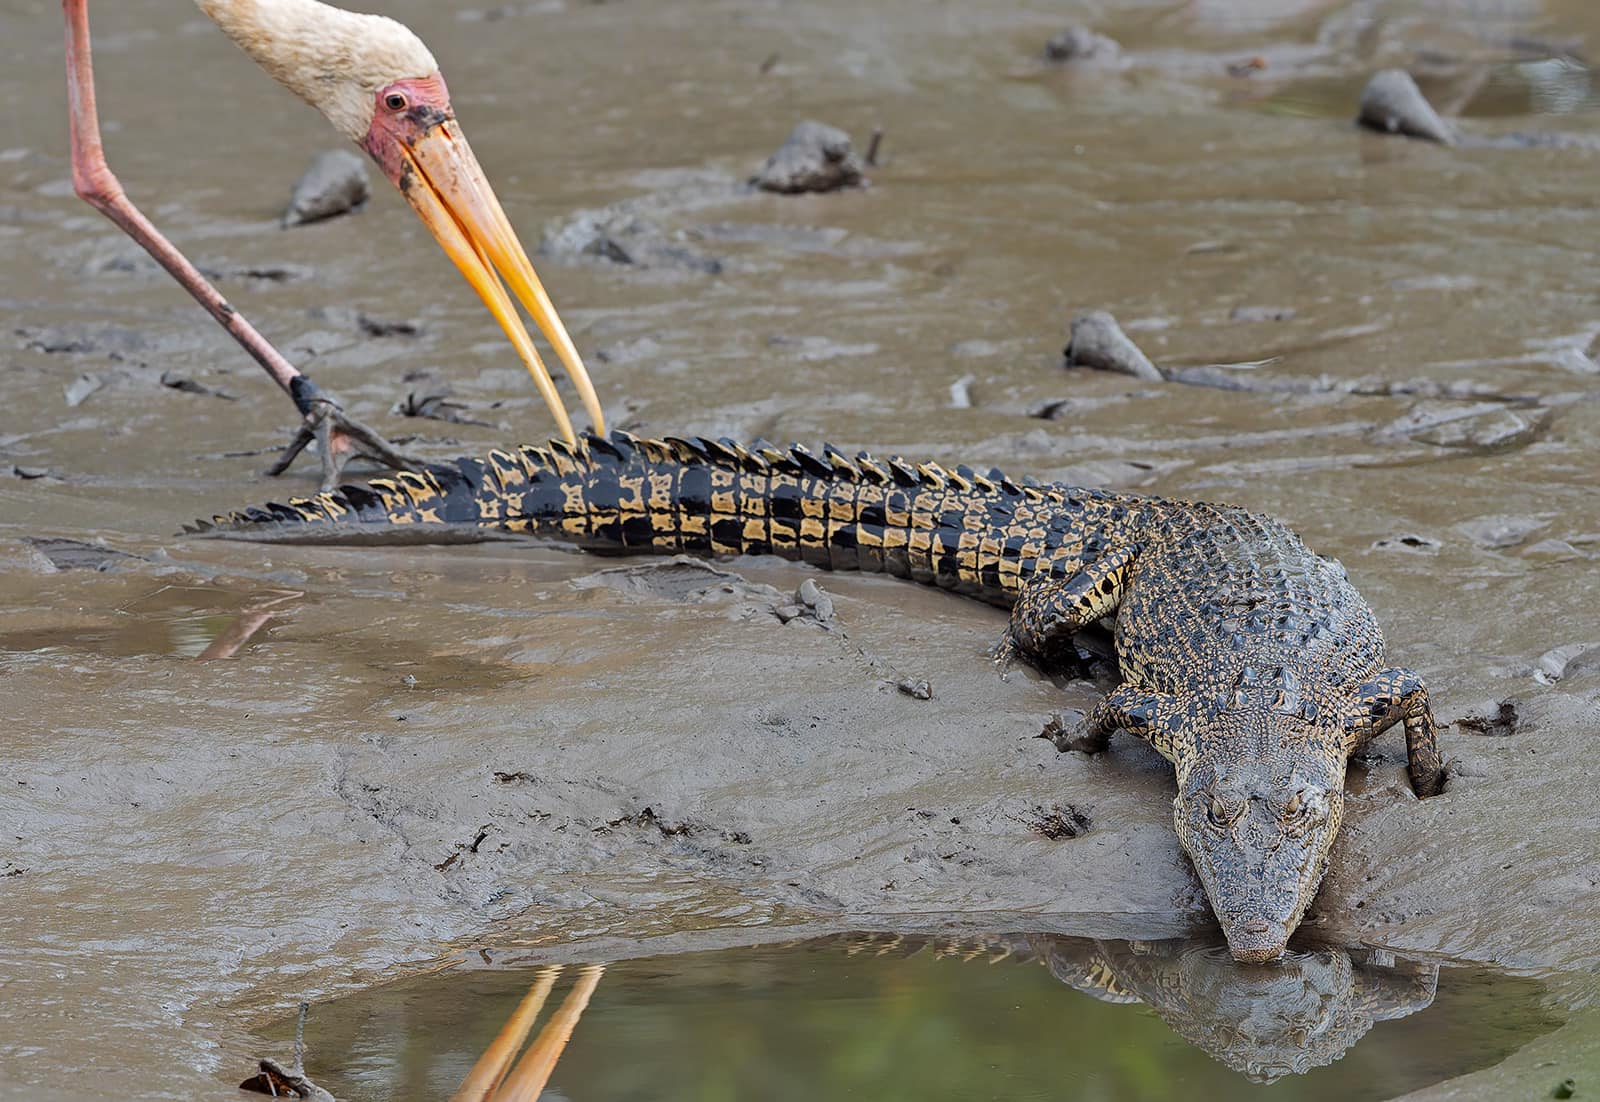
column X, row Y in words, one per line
column 1013, row 1017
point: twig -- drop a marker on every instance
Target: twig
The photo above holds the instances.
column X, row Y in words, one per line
column 292, row 1080
column 872, row 146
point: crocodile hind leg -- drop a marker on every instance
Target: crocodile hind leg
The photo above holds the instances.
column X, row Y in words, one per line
column 1050, row 611
column 1398, row 695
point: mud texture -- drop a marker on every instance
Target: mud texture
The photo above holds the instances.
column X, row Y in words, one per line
column 401, row 752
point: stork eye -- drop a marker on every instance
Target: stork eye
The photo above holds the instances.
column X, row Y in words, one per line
column 395, row 101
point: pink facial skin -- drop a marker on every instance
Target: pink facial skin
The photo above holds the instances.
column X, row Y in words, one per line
column 404, row 112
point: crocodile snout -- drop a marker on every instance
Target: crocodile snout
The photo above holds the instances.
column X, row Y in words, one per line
column 1256, row 941
column 1257, row 954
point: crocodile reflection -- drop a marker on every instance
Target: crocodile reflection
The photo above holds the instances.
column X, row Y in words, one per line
column 1265, row 1021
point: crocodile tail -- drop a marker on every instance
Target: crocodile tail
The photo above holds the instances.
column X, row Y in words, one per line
column 624, row 493
column 529, row 489
column 615, row 492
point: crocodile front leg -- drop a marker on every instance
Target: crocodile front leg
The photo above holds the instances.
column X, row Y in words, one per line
column 1398, row 695
column 1154, row 717
column 1050, row 611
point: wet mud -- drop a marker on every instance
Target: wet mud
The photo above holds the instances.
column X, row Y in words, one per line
column 399, row 752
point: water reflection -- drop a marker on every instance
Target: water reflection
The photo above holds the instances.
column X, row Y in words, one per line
column 189, row 621
column 1264, row 1021
column 889, row 1016
column 494, row 1078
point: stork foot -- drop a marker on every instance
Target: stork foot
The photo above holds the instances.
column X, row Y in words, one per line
column 339, row 436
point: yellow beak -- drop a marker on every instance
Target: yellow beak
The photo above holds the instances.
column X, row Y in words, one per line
column 447, row 188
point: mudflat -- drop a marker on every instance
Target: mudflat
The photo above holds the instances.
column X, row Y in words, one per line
column 416, row 750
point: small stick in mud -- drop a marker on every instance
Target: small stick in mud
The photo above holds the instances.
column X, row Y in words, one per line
column 872, row 147
column 282, row 1082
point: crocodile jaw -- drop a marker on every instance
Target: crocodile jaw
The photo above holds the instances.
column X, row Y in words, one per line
column 1262, row 859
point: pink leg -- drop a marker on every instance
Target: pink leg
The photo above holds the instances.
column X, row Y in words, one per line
column 340, row 436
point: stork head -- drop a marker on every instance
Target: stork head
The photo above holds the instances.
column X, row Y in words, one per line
column 379, row 85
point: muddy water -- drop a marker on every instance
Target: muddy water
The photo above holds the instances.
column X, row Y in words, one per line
column 905, row 1018
column 418, row 748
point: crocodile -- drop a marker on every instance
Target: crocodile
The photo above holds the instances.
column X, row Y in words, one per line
column 1246, row 660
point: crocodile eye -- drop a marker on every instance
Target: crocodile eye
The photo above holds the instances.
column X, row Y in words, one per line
column 1219, row 813
column 1306, row 805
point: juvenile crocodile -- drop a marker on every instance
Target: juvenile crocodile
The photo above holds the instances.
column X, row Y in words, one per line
column 1247, row 661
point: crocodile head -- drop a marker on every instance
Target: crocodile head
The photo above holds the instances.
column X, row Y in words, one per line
column 1258, row 806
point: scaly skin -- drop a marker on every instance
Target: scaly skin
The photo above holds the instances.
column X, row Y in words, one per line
column 1247, row 661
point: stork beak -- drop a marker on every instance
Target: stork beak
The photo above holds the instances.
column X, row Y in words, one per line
column 444, row 184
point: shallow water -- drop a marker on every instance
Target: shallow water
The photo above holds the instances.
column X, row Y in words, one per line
column 876, row 1016
column 411, row 750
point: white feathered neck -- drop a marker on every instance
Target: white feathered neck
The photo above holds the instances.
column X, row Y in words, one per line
column 333, row 59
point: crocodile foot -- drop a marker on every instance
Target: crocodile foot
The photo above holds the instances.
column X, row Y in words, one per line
column 1428, row 777
column 1074, row 736
column 339, row 436
column 1005, row 653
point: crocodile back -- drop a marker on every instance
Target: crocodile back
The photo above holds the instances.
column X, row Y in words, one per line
column 1220, row 597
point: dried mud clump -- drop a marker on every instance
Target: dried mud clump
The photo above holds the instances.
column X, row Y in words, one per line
column 1500, row 725
column 334, row 184
column 1078, row 45
column 1393, row 104
column 816, row 157
column 1098, row 341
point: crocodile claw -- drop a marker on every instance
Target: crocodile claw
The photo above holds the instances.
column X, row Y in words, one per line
column 1004, row 654
column 1069, row 736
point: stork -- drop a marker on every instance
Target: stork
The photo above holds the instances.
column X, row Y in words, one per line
column 376, row 82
